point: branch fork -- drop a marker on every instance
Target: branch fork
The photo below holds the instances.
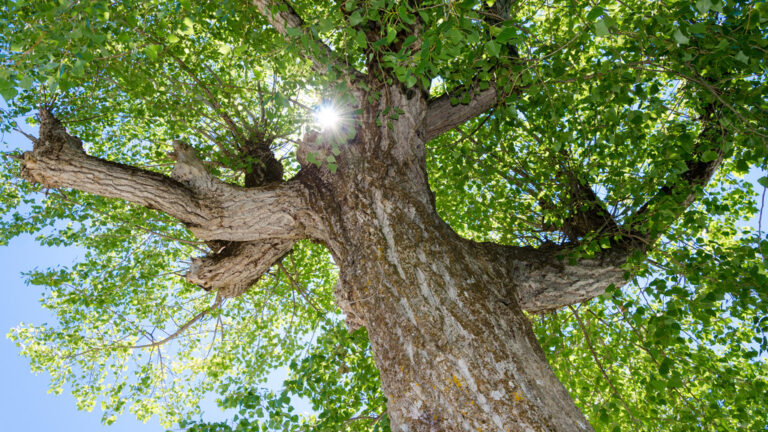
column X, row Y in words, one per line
column 259, row 224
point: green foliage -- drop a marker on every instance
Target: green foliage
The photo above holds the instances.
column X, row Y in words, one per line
column 613, row 92
column 336, row 375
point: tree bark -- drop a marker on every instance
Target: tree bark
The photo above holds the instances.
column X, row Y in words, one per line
column 444, row 314
column 455, row 351
column 453, row 346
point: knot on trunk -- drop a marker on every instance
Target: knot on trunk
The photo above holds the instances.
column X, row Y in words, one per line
column 189, row 169
column 54, row 144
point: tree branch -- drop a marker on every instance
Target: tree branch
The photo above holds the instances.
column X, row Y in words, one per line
column 210, row 208
column 282, row 16
column 587, row 212
column 442, row 116
column 183, row 327
column 679, row 193
column 546, row 280
column 302, row 291
column 58, row 160
column 236, row 267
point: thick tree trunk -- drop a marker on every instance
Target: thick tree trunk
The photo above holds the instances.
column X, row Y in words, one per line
column 455, row 353
column 454, row 349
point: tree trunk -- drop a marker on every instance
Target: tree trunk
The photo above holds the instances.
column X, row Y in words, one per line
column 454, row 349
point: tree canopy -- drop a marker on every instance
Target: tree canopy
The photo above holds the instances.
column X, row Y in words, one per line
column 608, row 101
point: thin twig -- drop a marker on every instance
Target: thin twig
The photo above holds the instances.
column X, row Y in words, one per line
column 183, row 328
column 297, row 287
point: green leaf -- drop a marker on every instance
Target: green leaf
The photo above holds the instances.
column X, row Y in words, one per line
column 404, row 15
column 740, row 56
column 8, row 93
column 680, row 37
column 595, row 13
column 492, row 48
column 78, row 69
column 703, row 5
column 355, row 18
column 664, row 367
column 293, row 32
column 188, row 27
column 26, row 82
column 675, row 381
column 507, row 34
column 152, row 51
column 391, row 35
column 763, row 181
column 601, row 28
column 361, row 39
column 709, row 156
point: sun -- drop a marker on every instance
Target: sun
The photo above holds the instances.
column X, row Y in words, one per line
column 327, row 117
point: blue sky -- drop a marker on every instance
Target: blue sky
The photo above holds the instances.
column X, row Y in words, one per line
column 25, row 404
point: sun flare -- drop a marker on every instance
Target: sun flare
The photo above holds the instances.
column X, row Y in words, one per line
column 327, row 117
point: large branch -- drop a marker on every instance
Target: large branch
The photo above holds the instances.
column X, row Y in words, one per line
column 674, row 197
column 59, row 161
column 547, row 280
column 442, row 116
column 211, row 209
column 282, row 16
column 234, row 268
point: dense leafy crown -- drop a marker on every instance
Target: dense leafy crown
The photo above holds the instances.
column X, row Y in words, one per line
column 619, row 95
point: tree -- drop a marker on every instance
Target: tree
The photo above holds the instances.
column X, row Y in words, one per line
column 493, row 163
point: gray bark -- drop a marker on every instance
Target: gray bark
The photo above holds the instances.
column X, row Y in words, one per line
column 442, row 116
column 211, row 209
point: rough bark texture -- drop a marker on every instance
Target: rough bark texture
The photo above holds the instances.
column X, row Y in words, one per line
column 212, row 209
column 454, row 349
column 442, row 116
column 236, row 267
column 449, row 337
column 545, row 280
